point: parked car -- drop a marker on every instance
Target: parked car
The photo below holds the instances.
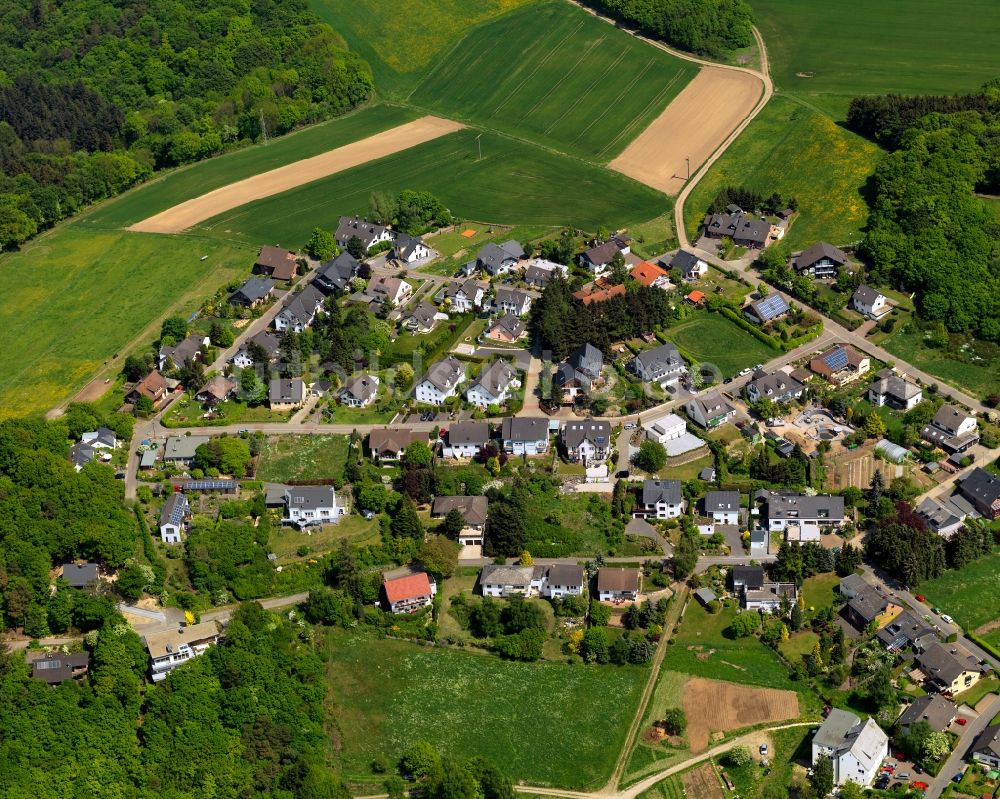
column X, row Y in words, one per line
column 958, row 777
column 762, row 749
column 947, row 619
column 961, row 721
column 902, row 776
column 920, row 598
column 630, row 426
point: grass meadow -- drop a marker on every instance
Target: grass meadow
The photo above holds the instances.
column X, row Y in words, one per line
column 316, row 457
column 699, row 333
column 514, row 183
column 828, row 53
column 971, row 594
column 385, row 694
column 558, row 76
column 797, row 151
column 974, row 378
column 75, row 298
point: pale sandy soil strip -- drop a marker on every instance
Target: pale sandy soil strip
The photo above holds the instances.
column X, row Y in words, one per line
column 190, row 213
column 696, row 122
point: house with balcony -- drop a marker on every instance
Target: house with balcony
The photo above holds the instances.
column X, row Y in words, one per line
column 173, row 648
column 588, row 442
column 409, row 593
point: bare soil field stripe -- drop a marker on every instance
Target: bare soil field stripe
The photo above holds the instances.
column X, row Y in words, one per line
column 627, row 131
column 190, row 213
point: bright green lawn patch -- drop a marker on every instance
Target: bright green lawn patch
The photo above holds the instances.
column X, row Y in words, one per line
column 978, row 379
column 801, row 643
column 857, row 47
column 386, row 694
column 562, row 525
column 187, row 412
column 316, row 457
column 790, row 747
column 285, row 541
column 556, row 75
column 978, row 691
column 73, row 298
column 654, row 237
column 402, row 39
column 797, row 152
column 514, row 183
column 710, row 338
column 820, row 591
column 970, row 594
column 178, row 185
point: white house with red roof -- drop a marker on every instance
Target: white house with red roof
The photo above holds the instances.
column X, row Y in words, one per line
column 409, row 593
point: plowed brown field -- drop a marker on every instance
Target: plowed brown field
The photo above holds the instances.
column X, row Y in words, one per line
column 713, row 706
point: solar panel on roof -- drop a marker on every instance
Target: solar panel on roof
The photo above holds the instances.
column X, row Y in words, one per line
column 771, row 306
column 42, row 665
column 209, row 485
column 836, row 359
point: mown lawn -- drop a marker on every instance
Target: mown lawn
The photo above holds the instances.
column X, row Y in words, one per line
column 286, row 541
column 544, row 723
column 796, row 151
column 316, row 457
column 75, row 297
column 514, row 183
column 971, row 594
column 820, row 591
column 831, row 52
column 710, row 338
column 979, row 379
column 558, row 76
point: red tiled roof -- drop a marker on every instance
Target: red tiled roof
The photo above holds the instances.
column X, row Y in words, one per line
column 646, row 273
column 588, row 296
column 696, row 296
column 411, row 586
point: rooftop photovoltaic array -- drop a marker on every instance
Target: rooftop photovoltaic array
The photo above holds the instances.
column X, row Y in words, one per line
column 772, row 306
column 836, row 359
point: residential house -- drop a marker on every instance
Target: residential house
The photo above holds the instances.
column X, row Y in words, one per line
column 907, row 630
column 53, row 668
column 101, row 438
column 170, row 649
column 651, row 275
column 802, row 532
column 588, row 441
column 943, row 517
column 705, row 596
column 252, row 293
column 870, row 605
column 153, row 386
column 175, row 356
column 869, row 302
column 776, row 387
column 265, row 341
column 506, row 581
column 785, row 508
column 359, row 391
column 507, row 329
column 391, row 290
column 951, row 429
column 422, row 318
column 389, row 443
column 840, row 364
column 822, row 260
column 578, row 373
column 334, row 276
column 562, row 580
column 276, row 263
column 512, row 301
column 709, row 410
column 174, row 517
column 723, row 507
column 690, row 265
column 949, row 668
column 309, row 505
column 933, row 709
column 540, row 271
column 667, row 428
column 759, row 540
column 180, row 450
column 80, row 454
column 855, row 748
column 299, row 310
column 285, row 395
column 894, row 391
column 493, row 386
column 499, row 259
column 440, row 382
column 524, row 435
column 370, row 233
column 618, row 585
column 599, row 257
column 409, row 593
column 747, row 578
column 217, row 390
column 599, row 292
column 982, row 489
column 474, row 510
column 743, row 229
column 463, row 295
column 466, row 439
column 986, row 748
column 661, row 499
column 410, row 249
column 852, row 585
column 80, row 575
column 662, row 364
column 768, row 598
column 696, row 298
column 766, row 309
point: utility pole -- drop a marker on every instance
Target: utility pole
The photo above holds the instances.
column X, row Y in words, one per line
column 480, row 145
column 263, row 126
column 687, row 159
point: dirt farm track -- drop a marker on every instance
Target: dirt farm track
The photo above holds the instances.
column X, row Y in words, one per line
column 695, row 123
column 713, row 706
column 190, row 213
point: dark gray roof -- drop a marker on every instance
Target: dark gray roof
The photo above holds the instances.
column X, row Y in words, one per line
column 253, row 290
column 349, row 226
column 684, row 260
column 654, row 491
column 800, row 506
column 282, row 390
column 80, row 576
column 183, row 351
column 463, row 433
column 422, row 315
column 865, row 295
column 406, row 244
column 492, row 256
column 564, row 574
column 587, row 359
column 945, row 663
column 310, row 497
column 903, row 630
column 660, row 359
column 81, row 454
column 602, row 254
column 722, row 501
column 818, row 252
column 524, row 428
column 474, row 510
column 362, row 386
column 174, row 509
column 988, row 742
column 948, row 417
column 269, row 342
column 750, row 576
column 337, row 273
column 496, row 378
column 511, row 297
column 598, row 433
column 445, row 374
column 54, row 667
column 302, row 307
column 937, row 711
column 511, row 324
column 982, row 489
column 777, row 384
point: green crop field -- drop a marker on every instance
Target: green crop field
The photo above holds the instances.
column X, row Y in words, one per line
column 556, row 75
column 514, row 183
column 75, row 297
column 971, row 594
column 191, row 181
column 798, row 152
column 828, row 52
column 316, row 457
column 699, row 334
column 386, row 694
column 402, row 39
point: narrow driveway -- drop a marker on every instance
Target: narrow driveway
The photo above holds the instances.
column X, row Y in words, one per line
column 966, row 739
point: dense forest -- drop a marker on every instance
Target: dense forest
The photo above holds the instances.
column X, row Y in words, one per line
column 96, row 95
column 707, row 27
